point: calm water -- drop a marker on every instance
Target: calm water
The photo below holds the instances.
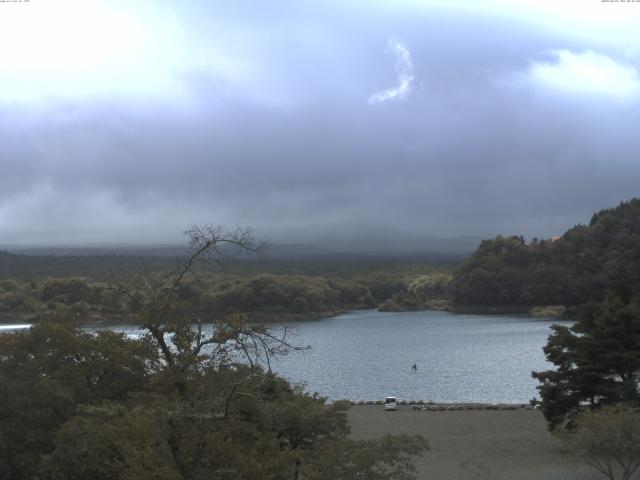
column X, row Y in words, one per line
column 367, row 355
column 460, row 358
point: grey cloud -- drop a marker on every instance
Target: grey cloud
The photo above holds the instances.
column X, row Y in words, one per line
column 298, row 152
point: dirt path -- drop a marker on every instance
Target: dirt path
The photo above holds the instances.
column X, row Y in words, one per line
column 478, row 444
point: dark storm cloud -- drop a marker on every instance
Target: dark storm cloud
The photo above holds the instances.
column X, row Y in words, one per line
column 263, row 116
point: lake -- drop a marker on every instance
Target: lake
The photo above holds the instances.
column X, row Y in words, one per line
column 367, row 355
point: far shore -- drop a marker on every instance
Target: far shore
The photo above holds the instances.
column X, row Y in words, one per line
column 476, row 444
column 93, row 319
column 97, row 319
column 561, row 312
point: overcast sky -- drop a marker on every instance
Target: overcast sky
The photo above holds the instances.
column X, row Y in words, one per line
column 127, row 121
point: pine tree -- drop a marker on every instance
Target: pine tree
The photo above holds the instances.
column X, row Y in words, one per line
column 597, row 360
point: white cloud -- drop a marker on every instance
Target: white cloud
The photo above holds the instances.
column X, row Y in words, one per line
column 64, row 48
column 81, row 49
column 404, row 70
column 586, row 73
column 598, row 22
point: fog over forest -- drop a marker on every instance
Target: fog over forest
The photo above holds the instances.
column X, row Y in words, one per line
column 336, row 124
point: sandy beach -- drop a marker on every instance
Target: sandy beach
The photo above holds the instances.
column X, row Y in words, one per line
column 477, row 444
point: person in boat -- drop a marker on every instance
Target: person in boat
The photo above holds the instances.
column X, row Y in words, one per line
column 414, row 367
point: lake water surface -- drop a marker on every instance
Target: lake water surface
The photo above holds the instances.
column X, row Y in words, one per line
column 367, row 355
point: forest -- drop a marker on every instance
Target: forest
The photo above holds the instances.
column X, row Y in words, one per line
column 263, row 289
column 507, row 273
column 571, row 270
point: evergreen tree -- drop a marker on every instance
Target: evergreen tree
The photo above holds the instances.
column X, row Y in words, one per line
column 571, row 270
column 597, row 360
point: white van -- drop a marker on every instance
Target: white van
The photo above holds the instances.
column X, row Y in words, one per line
column 390, row 403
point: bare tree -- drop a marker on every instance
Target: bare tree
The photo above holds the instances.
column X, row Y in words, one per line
column 609, row 441
column 161, row 307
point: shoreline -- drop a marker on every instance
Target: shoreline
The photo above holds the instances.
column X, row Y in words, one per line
column 559, row 312
column 427, row 405
column 98, row 319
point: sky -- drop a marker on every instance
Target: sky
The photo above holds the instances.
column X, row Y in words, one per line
column 314, row 122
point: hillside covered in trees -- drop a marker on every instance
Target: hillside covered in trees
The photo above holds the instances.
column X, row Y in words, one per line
column 572, row 270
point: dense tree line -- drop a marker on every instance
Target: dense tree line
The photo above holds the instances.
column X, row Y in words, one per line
column 571, row 270
column 420, row 292
column 269, row 293
column 107, row 264
column 264, row 296
column 267, row 296
column 100, row 267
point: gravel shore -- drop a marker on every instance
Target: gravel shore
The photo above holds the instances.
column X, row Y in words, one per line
column 476, row 444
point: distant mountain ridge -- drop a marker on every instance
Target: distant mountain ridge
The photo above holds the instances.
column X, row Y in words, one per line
column 388, row 244
column 83, row 251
